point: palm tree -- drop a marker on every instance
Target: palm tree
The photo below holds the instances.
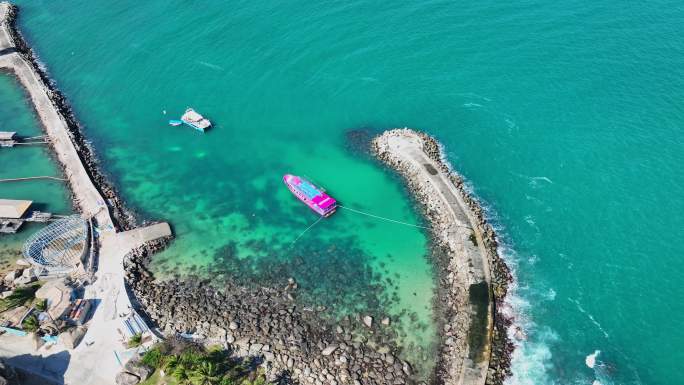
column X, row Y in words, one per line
column 170, row 363
column 135, row 341
column 174, row 366
column 205, row 373
column 226, row 380
column 180, row 373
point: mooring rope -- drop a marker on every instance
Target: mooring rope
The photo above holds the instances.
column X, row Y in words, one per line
column 31, row 178
column 383, row 218
column 307, row 229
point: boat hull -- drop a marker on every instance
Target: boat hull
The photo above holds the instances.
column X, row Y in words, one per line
column 195, row 120
column 195, row 127
column 317, row 200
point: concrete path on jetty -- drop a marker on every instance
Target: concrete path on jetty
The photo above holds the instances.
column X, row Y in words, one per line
column 95, row 363
column 467, row 340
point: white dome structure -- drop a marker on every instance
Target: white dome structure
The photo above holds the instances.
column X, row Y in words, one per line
column 59, row 247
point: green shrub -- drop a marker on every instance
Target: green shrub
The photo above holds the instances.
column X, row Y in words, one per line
column 20, row 296
column 194, row 365
column 30, row 323
column 40, row 304
column 153, row 357
column 259, row 380
column 135, row 341
column 473, row 239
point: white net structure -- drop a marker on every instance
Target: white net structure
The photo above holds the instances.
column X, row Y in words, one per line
column 59, row 247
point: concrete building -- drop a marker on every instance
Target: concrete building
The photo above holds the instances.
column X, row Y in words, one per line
column 13, row 209
column 12, row 214
column 7, row 139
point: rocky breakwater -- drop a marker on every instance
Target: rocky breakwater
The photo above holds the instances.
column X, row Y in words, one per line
column 473, row 279
column 121, row 216
column 267, row 322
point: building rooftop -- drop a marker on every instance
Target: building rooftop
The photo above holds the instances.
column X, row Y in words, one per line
column 14, row 209
column 6, row 135
column 58, row 247
column 58, row 296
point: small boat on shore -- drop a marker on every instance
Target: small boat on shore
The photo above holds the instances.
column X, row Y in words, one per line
column 193, row 119
column 314, row 197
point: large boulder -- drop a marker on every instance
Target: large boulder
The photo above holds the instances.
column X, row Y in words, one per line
column 12, row 275
column 139, row 369
column 368, row 321
column 28, row 273
column 73, row 337
column 24, row 280
column 27, row 276
column 22, row 262
column 125, row 378
column 329, row 350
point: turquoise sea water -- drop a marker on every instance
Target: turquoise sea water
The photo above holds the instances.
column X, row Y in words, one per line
column 566, row 118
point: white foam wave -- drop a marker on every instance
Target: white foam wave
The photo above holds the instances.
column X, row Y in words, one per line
column 533, row 181
column 531, row 359
column 369, row 79
column 550, row 295
column 510, row 123
column 590, row 316
column 472, row 105
column 530, row 220
column 601, row 370
column 545, row 179
column 210, row 65
column 590, row 360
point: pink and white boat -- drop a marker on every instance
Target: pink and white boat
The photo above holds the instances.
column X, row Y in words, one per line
column 313, row 196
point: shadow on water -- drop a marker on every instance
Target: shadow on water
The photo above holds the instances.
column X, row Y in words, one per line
column 477, row 333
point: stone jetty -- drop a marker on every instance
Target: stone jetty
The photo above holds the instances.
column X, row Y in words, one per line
column 473, row 279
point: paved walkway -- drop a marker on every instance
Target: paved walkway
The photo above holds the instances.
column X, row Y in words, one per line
column 5, row 41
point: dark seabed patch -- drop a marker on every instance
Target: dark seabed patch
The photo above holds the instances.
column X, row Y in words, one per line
column 357, row 141
column 334, row 274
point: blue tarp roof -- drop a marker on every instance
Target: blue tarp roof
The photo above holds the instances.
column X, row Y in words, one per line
column 308, row 189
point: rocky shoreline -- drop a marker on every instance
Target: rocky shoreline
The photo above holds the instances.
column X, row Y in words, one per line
column 450, row 295
column 123, row 218
column 292, row 340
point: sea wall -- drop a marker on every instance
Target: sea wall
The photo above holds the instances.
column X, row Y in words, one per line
column 294, row 341
column 460, row 290
column 17, row 53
